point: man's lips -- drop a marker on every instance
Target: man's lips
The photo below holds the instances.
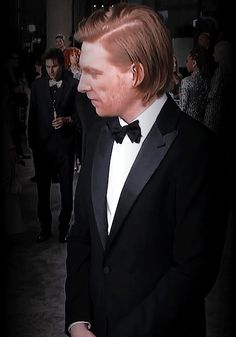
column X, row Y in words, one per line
column 92, row 98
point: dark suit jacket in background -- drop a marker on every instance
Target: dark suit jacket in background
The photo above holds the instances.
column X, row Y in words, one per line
column 53, row 149
column 40, row 128
column 150, row 276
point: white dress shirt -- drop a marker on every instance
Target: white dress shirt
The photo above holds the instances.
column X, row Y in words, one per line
column 124, row 154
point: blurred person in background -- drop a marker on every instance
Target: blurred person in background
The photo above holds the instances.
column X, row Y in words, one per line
column 194, row 88
column 60, row 42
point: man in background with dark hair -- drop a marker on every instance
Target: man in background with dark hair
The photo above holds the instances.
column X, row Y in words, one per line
column 51, row 138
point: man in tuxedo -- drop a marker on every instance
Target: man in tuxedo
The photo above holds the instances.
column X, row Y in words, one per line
column 150, row 203
column 52, row 139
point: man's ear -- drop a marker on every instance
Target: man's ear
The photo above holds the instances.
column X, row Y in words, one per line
column 137, row 71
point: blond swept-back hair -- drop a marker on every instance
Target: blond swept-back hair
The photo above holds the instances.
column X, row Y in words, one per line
column 133, row 34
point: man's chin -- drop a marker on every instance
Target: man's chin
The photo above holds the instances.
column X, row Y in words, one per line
column 100, row 113
column 97, row 109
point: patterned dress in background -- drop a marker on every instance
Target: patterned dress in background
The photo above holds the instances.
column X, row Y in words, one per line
column 193, row 95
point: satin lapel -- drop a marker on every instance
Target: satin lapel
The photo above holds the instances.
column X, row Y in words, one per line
column 100, row 172
column 149, row 158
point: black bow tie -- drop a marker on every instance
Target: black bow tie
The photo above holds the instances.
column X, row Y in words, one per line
column 132, row 130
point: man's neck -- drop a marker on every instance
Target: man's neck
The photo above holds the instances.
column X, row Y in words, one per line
column 135, row 110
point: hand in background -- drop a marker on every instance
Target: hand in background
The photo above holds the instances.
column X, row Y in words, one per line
column 58, row 122
column 81, row 330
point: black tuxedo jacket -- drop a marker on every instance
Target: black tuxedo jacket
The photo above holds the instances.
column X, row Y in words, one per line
column 40, row 129
column 150, row 276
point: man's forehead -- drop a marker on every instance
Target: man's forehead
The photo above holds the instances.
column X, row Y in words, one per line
column 52, row 62
column 93, row 51
column 91, row 46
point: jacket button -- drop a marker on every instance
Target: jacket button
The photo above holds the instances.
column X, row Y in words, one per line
column 106, row 270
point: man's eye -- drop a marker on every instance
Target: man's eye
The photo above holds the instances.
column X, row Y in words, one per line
column 94, row 75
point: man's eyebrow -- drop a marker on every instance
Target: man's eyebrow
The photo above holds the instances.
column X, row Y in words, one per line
column 91, row 70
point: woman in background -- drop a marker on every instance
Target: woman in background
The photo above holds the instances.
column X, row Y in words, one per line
column 72, row 55
column 194, row 88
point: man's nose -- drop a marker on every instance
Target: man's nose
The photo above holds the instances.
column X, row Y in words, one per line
column 79, row 88
column 83, row 85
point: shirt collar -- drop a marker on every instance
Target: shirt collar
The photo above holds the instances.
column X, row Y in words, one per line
column 148, row 117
